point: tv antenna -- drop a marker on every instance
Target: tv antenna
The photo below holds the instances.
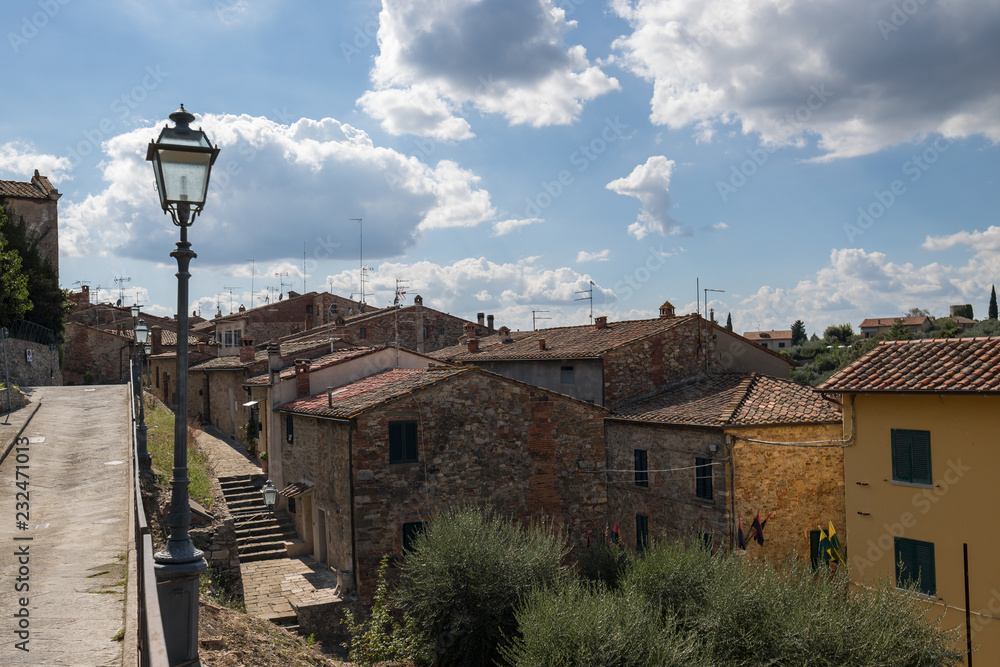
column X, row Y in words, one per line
column 269, row 288
column 230, row 288
column 534, row 318
column 590, row 297
column 707, row 290
column 121, row 280
column 361, row 256
column 253, row 266
column 280, row 275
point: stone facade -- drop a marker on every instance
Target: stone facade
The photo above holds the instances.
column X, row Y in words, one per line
column 37, row 202
column 803, row 488
column 32, row 364
column 420, row 328
column 15, row 401
column 103, row 354
column 482, row 439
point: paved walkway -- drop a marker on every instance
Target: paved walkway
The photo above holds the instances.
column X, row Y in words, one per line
column 275, row 588
column 74, row 541
column 229, row 458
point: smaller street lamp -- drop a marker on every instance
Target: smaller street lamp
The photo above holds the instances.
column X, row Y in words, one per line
column 270, row 495
column 141, row 338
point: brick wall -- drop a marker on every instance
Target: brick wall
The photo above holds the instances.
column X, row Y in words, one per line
column 669, row 502
column 803, row 487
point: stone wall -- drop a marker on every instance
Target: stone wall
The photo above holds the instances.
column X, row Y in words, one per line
column 804, row 487
column 442, row 330
column 103, row 354
column 669, row 501
column 35, row 373
column 17, row 399
column 638, row 368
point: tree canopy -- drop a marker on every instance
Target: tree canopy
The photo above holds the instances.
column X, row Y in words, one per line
column 798, row 332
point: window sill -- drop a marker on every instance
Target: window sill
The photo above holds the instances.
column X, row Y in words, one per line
column 918, row 485
column 403, row 467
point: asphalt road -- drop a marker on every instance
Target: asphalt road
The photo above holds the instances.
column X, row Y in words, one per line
column 63, row 548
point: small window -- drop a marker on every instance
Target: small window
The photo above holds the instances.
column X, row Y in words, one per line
column 641, row 468
column 238, row 337
column 641, row 532
column 289, row 429
column 566, row 375
column 703, row 478
column 291, row 505
column 309, row 309
column 403, row 442
column 423, row 334
column 814, row 549
column 411, row 529
column 363, row 333
column 229, row 338
column 911, row 456
column 915, row 563
column 781, row 345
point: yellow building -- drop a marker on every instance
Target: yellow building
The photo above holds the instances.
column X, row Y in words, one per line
column 920, row 477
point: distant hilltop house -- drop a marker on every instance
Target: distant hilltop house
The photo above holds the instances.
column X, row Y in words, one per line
column 874, row 327
column 772, row 340
column 37, row 202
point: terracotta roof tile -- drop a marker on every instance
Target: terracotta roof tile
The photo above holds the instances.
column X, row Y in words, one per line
column 356, row 397
column 733, row 399
column 785, row 334
column 332, row 359
column 20, row 189
column 931, row 364
column 586, row 341
column 889, row 321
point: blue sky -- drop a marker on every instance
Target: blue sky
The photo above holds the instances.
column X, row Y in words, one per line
column 825, row 161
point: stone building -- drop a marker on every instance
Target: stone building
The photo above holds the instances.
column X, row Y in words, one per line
column 297, row 313
column 283, row 383
column 695, row 457
column 608, row 363
column 37, row 202
column 368, row 462
column 96, row 356
column 417, row 327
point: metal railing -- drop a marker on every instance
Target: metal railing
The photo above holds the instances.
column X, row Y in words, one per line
column 31, row 332
column 152, row 643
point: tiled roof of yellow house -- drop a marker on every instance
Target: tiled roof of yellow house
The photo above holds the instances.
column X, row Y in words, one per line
column 781, row 334
column 356, row 397
column 926, row 365
column 585, row 341
column 889, row 321
column 733, row 399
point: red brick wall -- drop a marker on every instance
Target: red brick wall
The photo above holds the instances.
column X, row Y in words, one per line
column 105, row 355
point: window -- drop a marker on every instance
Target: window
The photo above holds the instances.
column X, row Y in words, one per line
column 423, row 334
column 641, row 531
column 309, row 309
column 911, row 456
column 915, row 563
column 229, row 339
column 781, row 345
column 641, row 468
column 291, row 505
column 289, row 429
column 566, row 375
column 411, row 529
column 703, row 478
column 403, row 442
column 333, row 309
column 363, row 333
column 157, row 377
column 238, row 337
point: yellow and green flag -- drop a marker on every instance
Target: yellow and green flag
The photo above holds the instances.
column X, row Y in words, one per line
column 834, row 541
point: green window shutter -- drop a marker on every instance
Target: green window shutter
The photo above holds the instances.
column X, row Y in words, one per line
column 641, row 468
column 410, row 439
column 901, row 468
column 915, row 562
column 920, row 448
column 395, row 442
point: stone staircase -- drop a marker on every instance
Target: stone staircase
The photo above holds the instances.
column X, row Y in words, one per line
column 260, row 533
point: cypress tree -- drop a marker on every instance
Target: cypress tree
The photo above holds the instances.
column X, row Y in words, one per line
column 993, row 304
column 729, row 322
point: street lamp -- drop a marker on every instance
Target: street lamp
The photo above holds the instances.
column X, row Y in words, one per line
column 182, row 163
column 141, row 338
column 270, row 495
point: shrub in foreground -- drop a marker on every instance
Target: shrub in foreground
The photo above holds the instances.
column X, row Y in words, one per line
column 466, row 573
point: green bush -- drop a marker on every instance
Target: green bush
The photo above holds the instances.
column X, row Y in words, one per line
column 465, row 575
column 586, row 626
column 674, row 577
column 603, row 563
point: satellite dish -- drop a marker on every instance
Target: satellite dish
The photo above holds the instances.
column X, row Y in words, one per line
column 118, row 303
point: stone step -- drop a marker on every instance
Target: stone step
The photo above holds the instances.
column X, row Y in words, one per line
column 243, row 495
column 264, row 555
column 258, row 547
column 272, row 535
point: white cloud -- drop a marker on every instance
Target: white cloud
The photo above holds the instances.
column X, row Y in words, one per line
column 19, row 160
column 982, row 270
column 507, row 57
column 599, row 256
column 650, row 184
column 717, row 227
column 857, row 74
column 274, row 187
column 507, row 226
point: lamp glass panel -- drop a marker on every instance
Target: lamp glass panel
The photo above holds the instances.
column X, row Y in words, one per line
column 184, row 175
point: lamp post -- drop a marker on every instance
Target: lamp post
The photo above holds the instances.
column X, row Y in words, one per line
column 141, row 338
column 135, row 309
column 270, row 495
column 182, row 163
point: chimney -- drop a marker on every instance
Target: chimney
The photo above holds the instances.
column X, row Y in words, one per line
column 666, row 310
column 273, row 360
column 711, row 315
column 156, row 340
column 302, row 376
column 247, row 351
column 201, row 347
column 418, row 322
column 469, row 330
column 601, row 322
column 85, row 294
column 329, row 397
column 489, row 322
column 541, row 343
column 481, row 319
column 473, row 344
column 504, row 334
